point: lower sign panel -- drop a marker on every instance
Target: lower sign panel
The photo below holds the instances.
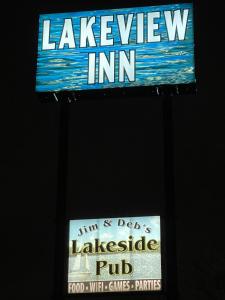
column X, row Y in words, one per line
column 114, row 255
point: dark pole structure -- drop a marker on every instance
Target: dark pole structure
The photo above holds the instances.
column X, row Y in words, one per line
column 170, row 282
column 169, row 194
column 61, row 226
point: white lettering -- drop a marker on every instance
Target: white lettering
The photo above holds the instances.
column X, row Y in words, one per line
column 140, row 28
column 46, row 45
column 91, row 68
column 152, row 27
column 177, row 24
column 67, row 35
column 105, row 30
column 106, row 67
column 86, row 32
column 126, row 66
column 124, row 29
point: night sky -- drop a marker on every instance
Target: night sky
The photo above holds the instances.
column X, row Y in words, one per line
column 115, row 160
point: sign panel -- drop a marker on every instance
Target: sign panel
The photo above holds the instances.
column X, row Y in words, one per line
column 114, row 255
column 129, row 47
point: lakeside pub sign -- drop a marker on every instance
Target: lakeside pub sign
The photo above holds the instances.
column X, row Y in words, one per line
column 114, row 255
column 130, row 47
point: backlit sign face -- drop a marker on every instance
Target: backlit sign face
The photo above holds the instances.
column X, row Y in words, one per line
column 141, row 46
column 114, row 255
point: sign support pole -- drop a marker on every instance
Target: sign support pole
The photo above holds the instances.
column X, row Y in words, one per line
column 169, row 194
column 60, row 225
column 170, row 215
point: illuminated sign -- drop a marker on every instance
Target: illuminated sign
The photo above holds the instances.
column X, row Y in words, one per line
column 114, row 255
column 141, row 46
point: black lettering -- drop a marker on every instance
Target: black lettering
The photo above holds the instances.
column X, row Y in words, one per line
column 81, row 232
column 152, row 245
column 88, row 248
column 123, row 245
column 137, row 226
column 113, row 269
column 126, row 267
column 74, row 247
column 121, row 222
column 99, row 247
column 147, row 230
column 140, row 244
column 110, row 246
column 99, row 265
column 129, row 224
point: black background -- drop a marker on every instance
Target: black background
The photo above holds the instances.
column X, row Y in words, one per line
column 115, row 162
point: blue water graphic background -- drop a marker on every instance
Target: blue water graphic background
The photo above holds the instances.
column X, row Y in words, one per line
column 165, row 62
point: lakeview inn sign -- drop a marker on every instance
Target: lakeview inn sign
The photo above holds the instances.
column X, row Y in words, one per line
column 140, row 46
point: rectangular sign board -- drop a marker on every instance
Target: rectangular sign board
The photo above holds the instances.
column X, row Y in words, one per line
column 129, row 47
column 114, row 255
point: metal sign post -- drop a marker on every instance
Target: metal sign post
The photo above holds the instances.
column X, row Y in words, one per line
column 170, row 212
column 60, row 228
